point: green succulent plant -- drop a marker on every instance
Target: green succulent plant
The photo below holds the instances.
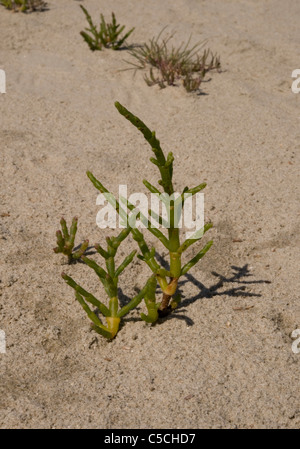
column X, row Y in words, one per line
column 169, row 64
column 66, row 241
column 167, row 279
column 109, row 278
column 108, row 35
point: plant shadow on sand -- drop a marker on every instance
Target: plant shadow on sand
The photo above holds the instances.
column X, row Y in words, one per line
column 238, row 273
column 238, row 276
column 90, row 251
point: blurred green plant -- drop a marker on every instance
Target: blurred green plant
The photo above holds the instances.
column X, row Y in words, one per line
column 109, row 278
column 168, row 64
column 167, row 279
column 108, row 35
column 24, row 5
column 66, row 240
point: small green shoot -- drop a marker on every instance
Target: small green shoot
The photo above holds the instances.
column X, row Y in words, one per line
column 66, row 241
column 108, row 35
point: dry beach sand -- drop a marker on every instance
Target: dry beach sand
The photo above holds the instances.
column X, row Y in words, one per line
column 224, row 359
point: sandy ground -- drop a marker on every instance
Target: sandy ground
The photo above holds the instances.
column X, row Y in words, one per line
column 224, row 359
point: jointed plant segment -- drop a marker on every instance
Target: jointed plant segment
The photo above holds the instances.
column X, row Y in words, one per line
column 108, row 35
column 66, row 240
column 109, row 278
column 172, row 242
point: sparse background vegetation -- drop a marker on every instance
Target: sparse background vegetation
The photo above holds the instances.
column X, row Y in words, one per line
column 24, row 5
column 223, row 358
column 168, row 64
column 109, row 34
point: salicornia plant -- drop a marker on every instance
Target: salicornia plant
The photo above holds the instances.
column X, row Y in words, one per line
column 109, row 278
column 108, row 35
column 169, row 64
column 167, row 279
column 66, row 241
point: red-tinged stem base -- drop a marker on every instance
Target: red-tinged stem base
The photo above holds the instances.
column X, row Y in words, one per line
column 165, row 308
